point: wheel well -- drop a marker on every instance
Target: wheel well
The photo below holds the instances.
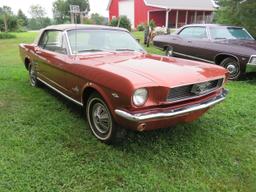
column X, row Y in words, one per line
column 166, row 46
column 86, row 94
column 27, row 62
column 220, row 58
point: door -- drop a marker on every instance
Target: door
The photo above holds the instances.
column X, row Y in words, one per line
column 126, row 7
column 193, row 43
column 51, row 55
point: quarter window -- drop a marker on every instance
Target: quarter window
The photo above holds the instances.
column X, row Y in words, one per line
column 53, row 41
column 194, row 32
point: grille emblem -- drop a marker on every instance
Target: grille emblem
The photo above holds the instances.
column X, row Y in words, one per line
column 201, row 88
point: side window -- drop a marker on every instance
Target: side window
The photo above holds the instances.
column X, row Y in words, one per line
column 194, row 32
column 53, row 41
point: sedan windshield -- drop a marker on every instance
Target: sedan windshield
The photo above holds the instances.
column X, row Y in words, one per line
column 83, row 41
column 229, row 33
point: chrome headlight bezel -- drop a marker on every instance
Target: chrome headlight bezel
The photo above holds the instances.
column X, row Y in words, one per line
column 140, row 97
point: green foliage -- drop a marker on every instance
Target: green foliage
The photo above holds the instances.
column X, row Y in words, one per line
column 97, row 19
column 152, row 24
column 39, row 19
column 122, row 21
column 22, row 16
column 35, row 24
column 237, row 12
column 61, row 9
column 7, row 36
column 141, row 27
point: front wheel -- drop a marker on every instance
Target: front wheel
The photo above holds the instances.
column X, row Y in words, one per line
column 233, row 67
column 100, row 120
column 169, row 52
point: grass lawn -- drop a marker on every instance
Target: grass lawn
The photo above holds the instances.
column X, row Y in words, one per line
column 45, row 144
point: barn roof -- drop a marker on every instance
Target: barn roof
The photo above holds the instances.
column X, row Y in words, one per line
column 208, row 5
column 182, row 4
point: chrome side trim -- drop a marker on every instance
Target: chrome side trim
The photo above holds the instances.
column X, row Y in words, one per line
column 193, row 57
column 176, row 112
column 58, row 91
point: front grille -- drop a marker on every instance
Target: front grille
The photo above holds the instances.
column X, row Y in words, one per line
column 193, row 90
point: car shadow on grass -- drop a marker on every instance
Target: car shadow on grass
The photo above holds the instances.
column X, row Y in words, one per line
column 249, row 77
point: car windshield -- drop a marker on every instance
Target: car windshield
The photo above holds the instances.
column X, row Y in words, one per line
column 229, row 33
column 82, row 41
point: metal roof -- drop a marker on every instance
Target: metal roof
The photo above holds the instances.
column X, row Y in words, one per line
column 182, row 4
column 81, row 26
column 204, row 5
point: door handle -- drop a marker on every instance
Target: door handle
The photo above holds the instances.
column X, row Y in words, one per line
column 38, row 51
column 189, row 41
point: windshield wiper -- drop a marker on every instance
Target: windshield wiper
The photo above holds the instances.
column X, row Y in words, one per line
column 90, row 50
column 125, row 49
column 217, row 38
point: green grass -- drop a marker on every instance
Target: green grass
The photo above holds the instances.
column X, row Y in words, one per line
column 45, row 144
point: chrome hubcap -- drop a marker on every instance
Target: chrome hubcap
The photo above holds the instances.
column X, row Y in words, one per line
column 169, row 53
column 32, row 76
column 232, row 69
column 101, row 118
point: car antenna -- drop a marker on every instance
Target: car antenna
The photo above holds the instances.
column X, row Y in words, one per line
column 75, row 10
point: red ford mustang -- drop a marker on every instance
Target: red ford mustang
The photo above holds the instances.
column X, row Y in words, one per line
column 107, row 72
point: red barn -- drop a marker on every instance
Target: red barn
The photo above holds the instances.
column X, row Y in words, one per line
column 168, row 13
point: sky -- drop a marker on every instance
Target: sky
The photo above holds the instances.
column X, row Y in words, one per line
column 97, row 6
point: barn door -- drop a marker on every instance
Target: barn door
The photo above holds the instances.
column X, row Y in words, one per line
column 126, row 7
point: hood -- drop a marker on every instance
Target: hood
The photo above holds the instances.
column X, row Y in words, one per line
column 159, row 70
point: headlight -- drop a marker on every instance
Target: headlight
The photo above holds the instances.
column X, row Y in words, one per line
column 140, row 97
column 253, row 60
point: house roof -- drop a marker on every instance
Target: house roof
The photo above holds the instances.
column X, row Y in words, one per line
column 208, row 5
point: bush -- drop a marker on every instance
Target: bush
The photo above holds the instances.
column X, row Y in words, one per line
column 7, row 36
column 123, row 22
column 141, row 27
column 152, row 24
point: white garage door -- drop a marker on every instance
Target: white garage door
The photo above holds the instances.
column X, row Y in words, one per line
column 126, row 7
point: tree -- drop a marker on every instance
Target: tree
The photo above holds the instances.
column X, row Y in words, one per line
column 97, row 19
column 38, row 17
column 22, row 16
column 122, row 21
column 6, row 13
column 237, row 12
column 61, row 9
column 37, row 12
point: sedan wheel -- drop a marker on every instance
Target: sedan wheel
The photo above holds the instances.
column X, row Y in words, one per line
column 100, row 119
column 169, row 52
column 233, row 67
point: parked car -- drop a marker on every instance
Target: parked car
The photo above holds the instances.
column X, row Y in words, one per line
column 106, row 71
column 228, row 46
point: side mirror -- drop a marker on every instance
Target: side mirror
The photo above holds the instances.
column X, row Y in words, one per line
column 138, row 40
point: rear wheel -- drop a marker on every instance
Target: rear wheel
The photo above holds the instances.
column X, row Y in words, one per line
column 101, row 121
column 233, row 67
column 33, row 76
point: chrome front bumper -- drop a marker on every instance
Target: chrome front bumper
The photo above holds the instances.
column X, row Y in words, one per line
column 175, row 112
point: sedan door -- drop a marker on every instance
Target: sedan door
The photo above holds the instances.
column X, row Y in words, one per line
column 194, row 43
